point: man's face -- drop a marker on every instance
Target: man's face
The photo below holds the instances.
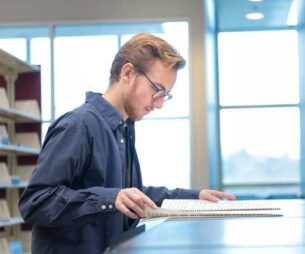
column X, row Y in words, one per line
column 140, row 100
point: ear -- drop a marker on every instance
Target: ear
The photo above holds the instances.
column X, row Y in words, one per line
column 127, row 72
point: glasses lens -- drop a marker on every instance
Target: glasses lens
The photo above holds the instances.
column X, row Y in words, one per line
column 162, row 94
column 159, row 93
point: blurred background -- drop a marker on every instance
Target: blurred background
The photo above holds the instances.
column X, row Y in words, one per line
column 236, row 122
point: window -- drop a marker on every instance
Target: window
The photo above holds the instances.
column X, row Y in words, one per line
column 81, row 63
column 165, row 133
column 259, row 112
column 77, row 58
column 16, row 47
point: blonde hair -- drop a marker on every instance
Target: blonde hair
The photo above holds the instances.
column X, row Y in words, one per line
column 141, row 50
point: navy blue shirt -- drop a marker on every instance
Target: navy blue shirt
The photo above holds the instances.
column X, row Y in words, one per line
column 70, row 199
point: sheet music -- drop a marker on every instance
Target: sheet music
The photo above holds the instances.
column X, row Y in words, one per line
column 200, row 208
column 222, row 205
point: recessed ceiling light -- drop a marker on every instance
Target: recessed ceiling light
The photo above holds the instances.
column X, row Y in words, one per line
column 256, row 0
column 254, row 15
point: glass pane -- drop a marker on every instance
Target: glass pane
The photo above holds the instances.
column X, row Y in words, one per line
column 258, row 67
column 81, row 63
column 263, row 192
column 260, row 145
column 40, row 55
column 16, row 47
column 44, row 129
column 176, row 33
column 163, row 148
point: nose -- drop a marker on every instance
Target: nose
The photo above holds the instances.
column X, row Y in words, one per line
column 158, row 103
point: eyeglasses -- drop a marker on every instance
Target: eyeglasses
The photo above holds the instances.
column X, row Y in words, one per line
column 159, row 92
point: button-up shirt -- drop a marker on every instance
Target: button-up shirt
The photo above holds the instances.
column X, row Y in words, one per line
column 70, row 199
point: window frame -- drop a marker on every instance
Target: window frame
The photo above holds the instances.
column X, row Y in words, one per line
column 216, row 167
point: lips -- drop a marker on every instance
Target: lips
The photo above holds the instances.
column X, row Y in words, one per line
column 147, row 110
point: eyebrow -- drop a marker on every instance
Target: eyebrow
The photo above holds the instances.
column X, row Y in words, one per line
column 161, row 86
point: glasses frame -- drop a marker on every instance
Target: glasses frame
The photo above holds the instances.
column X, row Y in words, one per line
column 159, row 92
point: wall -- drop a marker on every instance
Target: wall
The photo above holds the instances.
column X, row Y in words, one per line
column 48, row 11
column 67, row 10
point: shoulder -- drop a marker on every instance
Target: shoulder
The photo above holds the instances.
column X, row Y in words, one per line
column 79, row 121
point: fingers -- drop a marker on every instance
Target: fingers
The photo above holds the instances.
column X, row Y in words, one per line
column 206, row 195
column 215, row 196
column 148, row 202
column 220, row 194
column 132, row 202
column 129, row 202
column 123, row 209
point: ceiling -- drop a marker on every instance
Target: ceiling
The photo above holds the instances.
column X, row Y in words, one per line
column 231, row 14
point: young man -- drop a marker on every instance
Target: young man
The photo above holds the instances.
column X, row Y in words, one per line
column 87, row 187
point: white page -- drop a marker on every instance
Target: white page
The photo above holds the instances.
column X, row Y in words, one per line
column 223, row 205
column 200, row 208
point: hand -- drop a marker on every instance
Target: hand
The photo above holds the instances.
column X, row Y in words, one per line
column 214, row 196
column 132, row 202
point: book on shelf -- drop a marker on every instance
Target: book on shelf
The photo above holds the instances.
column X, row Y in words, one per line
column 28, row 139
column 4, row 212
column 4, row 137
column 3, row 98
column 15, row 247
column 25, row 171
column 4, row 175
column 223, row 208
column 4, row 246
column 28, row 106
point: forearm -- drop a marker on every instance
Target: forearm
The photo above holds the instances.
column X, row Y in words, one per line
column 60, row 205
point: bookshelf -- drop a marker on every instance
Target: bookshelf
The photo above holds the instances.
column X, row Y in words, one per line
column 20, row 132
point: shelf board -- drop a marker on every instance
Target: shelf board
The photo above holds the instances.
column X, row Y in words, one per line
column 18, row 149
column 21, row 185
column 10, row 63
column 18, row 115
column 11, row 221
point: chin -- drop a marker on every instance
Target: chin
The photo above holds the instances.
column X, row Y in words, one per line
column 138, row 118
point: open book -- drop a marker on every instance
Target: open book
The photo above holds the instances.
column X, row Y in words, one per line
column 202, row 208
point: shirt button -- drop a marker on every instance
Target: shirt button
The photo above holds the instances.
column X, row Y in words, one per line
column 103, row 207
column 110, row 206
column 122, row 140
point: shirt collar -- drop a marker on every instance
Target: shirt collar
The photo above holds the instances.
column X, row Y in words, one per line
column 113, row 117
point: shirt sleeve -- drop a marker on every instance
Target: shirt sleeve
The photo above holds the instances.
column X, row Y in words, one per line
column 51, row 198
column 158, row 194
